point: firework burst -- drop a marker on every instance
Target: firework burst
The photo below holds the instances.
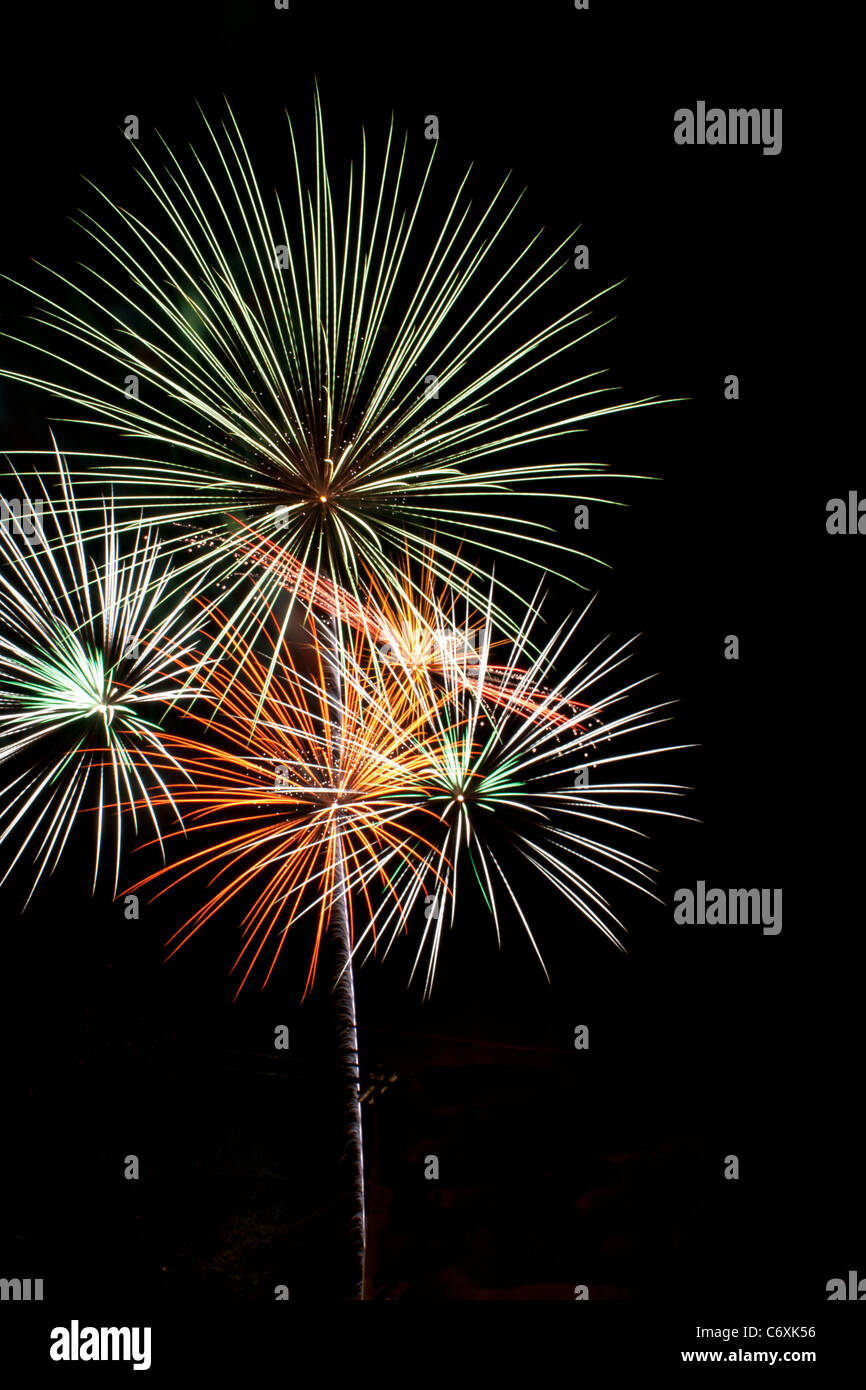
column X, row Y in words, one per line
column 305, row 787
column 335, row 379
column 90, row 656
column 530, row 782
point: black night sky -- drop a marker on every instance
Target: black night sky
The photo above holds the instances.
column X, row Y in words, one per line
column 558, row 1167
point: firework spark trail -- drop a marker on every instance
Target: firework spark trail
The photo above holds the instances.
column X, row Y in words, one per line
column 344, row 978
column 90, row 654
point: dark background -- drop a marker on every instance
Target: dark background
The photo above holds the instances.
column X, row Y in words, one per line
column 558, row 1167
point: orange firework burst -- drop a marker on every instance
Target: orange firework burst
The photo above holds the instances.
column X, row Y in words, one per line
column 309, row 779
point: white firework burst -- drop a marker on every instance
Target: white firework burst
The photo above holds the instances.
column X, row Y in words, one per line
column 90, row 654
